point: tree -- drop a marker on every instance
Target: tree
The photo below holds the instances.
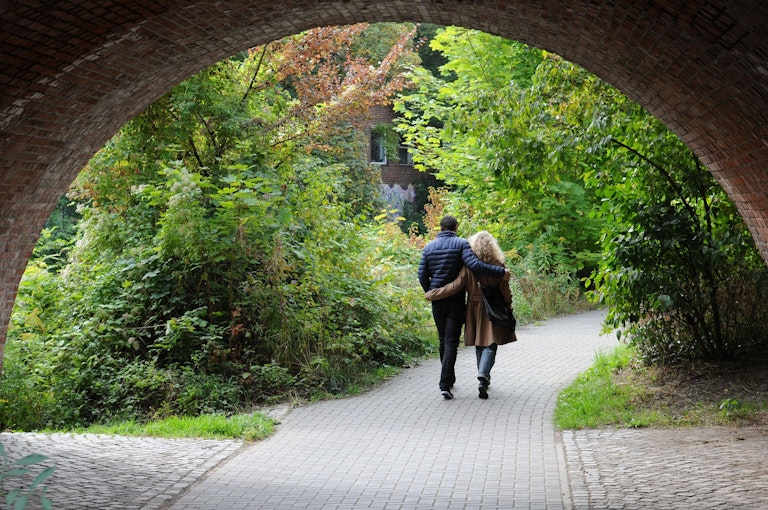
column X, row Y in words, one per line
column 486, row 128
column 679, row 270
column 222, row 260
column 561, row 166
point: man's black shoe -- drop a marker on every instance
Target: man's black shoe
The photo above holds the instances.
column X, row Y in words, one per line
column 447, row 395
column 483, row 391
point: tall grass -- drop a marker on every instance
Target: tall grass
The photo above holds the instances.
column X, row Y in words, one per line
column 537, row 297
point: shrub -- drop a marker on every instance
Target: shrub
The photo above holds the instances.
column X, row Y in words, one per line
column 680, row 270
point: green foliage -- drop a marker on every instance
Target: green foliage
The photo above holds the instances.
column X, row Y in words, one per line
column 594, row 399
column 500, row 130
column 204, row 322
column 376, row 41
column 497, row 127
column 538, row 296
column 679, row 270
column 56, row 238
column 732, row 408
column 20, row 469
column 560, row 167
column 413, row 212
column 225, row 259
column 430, row 58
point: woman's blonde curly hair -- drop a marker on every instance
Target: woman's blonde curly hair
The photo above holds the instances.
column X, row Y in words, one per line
column 486, row 247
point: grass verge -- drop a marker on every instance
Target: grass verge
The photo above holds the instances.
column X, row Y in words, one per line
column 250, row 427
column 620, row 391
column 595, row 400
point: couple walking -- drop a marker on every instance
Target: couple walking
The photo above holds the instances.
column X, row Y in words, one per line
column 451, row 267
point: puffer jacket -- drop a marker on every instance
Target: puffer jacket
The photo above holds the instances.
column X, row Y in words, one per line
column 443, row 258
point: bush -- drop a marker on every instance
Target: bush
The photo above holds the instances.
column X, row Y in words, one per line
column 680, row 271
column 139, row 337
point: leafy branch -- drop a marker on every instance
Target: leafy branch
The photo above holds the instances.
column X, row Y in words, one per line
column 19, row 497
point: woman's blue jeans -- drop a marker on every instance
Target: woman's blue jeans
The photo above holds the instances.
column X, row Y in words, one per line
column 486, row 357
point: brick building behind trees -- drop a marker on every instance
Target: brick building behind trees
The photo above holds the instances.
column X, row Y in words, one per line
column 400, row 181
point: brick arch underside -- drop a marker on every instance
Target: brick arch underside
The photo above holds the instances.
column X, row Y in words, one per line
column 73, row 72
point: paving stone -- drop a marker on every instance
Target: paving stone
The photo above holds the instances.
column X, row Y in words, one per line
column 105, row 472
column 403, row 446
column 463, row 453
column 700, row 468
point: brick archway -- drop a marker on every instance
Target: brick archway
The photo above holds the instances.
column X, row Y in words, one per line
column 73, row 71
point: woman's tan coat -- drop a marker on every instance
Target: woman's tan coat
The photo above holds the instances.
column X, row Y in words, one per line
column 478, row 329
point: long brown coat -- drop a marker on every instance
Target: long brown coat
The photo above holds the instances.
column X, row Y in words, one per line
column 478, row 328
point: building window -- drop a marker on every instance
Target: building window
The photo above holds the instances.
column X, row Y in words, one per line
column 404, row 156
column 378, row 148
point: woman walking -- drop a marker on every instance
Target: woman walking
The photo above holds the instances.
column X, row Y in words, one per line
column 478, row 329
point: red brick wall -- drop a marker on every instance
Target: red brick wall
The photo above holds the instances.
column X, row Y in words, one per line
column 393, row 172
column 73, row 71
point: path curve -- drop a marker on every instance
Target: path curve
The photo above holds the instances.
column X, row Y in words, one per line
column 403, row 446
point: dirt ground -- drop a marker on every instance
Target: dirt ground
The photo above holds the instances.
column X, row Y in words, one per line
column 704, row 393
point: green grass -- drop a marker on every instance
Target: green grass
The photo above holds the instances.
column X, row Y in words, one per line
column 250, row 427
column 620, row 391
column 357, row 383
column 367, row 380
column 594, row 400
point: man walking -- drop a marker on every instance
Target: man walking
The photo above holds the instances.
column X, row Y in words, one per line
column 441, row 261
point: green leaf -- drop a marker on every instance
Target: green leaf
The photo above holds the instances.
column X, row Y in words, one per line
column 21, row 502
column 42, row 476
column 16, row 471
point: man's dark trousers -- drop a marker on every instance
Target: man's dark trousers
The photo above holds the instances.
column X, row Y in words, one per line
column 449, row 317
